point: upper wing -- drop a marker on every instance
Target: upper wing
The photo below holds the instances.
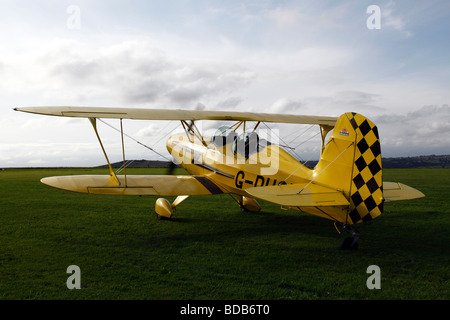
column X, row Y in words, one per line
column 176, row 114
column 300, row 195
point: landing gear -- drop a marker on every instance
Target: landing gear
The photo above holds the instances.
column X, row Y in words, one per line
column 161, row 217
column 350, row 243
column 164, row 209
column 248, row 204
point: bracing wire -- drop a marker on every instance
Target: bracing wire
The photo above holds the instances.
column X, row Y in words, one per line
column 292, row 149
column 301, row 134
column 326, row 167
column 135, row 140
column 313, row 136
column 129, row 162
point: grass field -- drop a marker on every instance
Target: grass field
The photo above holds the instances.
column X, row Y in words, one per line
column 211, row 250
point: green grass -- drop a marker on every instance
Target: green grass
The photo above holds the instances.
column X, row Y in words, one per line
column 211, row 250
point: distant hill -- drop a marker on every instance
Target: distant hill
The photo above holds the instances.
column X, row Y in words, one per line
column 140, row 164
column 431, row 161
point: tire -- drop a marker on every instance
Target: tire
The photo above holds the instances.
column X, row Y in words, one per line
column 160, row 217
column 347, row 244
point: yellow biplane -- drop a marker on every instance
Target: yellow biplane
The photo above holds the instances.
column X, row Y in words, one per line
column 346, row 186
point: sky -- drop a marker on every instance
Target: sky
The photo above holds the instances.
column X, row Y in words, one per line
column 294, row 57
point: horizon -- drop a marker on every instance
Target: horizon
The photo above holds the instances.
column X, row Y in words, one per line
column 114, row 164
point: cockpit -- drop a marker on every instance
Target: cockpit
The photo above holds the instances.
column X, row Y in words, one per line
column 245, row 144
column 223, row 136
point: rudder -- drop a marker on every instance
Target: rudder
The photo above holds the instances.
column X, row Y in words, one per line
column 351, row 163
column 366, row 192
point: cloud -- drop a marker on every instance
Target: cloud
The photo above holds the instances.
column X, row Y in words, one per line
column 391, row 19
column 229, row 103
column 357, row 101
column 284, row 17
column 130, row 73
column 285, row 105
column 49, row 154
column 423, row 131
column 312, row 17
column 334, row 104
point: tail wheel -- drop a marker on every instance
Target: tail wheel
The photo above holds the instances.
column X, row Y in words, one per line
column 349, row 243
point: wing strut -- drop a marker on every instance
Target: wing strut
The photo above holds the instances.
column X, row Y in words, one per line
column 193, row 128
column 111, row 171
column 123, row 153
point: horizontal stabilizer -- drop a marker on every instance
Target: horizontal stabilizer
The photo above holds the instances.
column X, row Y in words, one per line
column 394, row 191
column 161, row 185
column 300, row 195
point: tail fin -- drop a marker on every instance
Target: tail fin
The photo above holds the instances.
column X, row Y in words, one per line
column 351, row 163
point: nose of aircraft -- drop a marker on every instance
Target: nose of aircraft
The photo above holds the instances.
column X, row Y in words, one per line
column 169, row 144
column 176, row 140
column 174, row 144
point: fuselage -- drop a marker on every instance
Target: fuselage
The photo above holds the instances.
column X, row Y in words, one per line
column 235, row 171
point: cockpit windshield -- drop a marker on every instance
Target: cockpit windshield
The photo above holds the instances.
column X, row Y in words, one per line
column 223, row 136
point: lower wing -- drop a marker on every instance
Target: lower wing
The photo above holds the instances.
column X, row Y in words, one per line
column 161, row 185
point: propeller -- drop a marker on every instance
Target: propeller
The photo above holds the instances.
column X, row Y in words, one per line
column 171, row 167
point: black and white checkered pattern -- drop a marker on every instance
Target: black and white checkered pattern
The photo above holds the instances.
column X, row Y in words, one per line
column 366, row 193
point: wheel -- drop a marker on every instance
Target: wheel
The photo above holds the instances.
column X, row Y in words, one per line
column 349, row 243
column 163, row 209
column 161, row 217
